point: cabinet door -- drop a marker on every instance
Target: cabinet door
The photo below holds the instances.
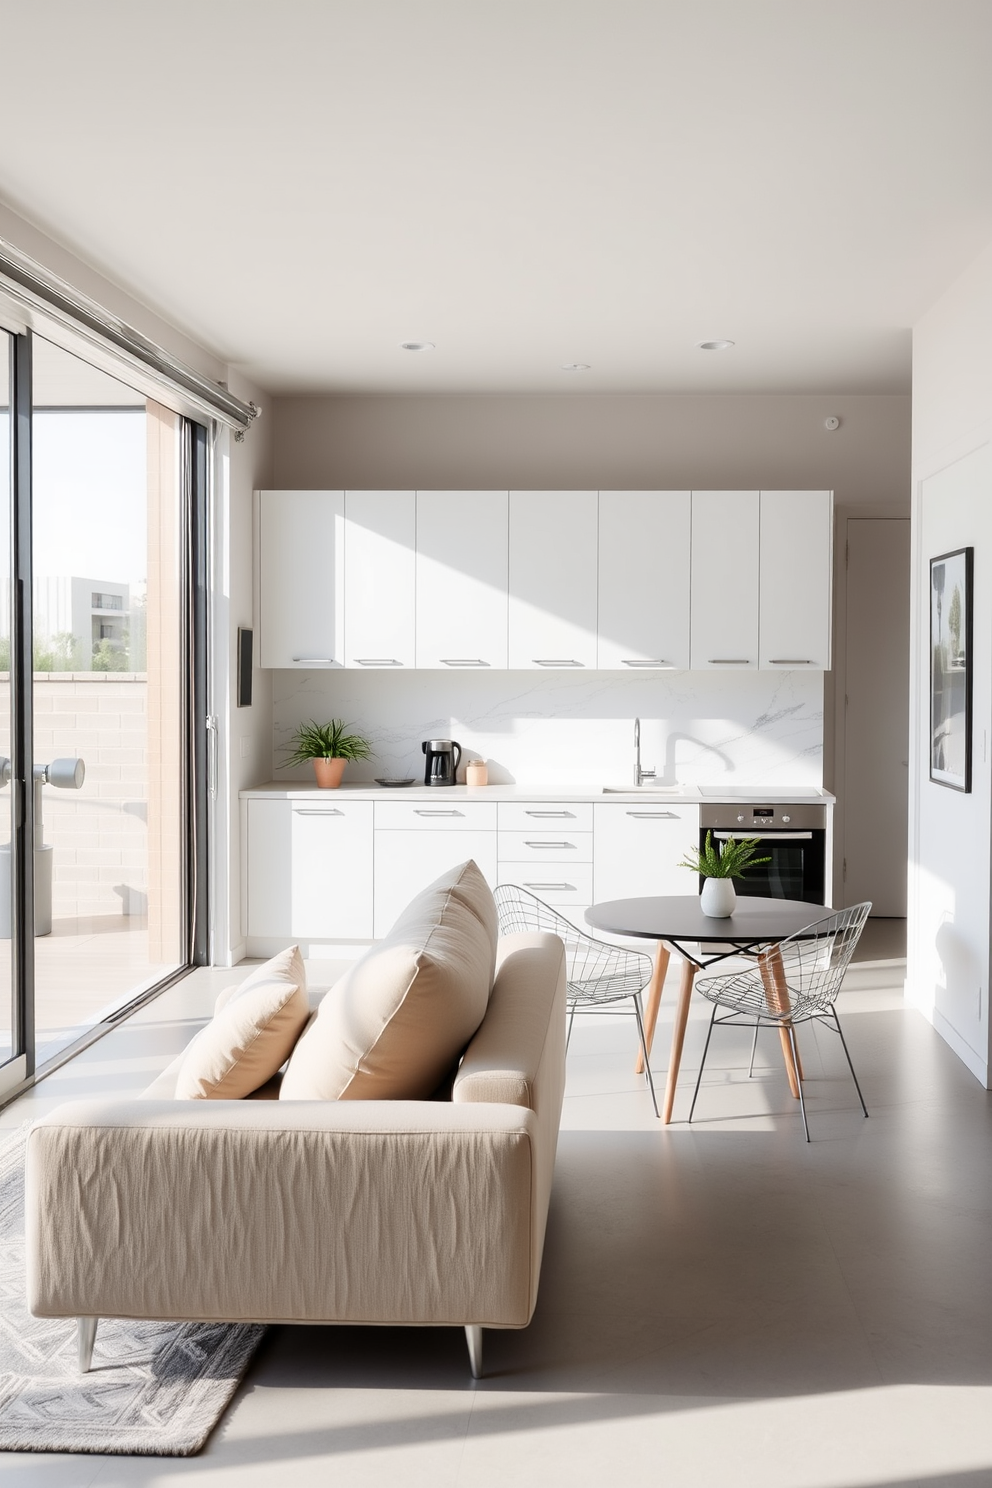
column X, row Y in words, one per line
column 553, row 575
column 407, row 861
column 300, row 552
column 637, row 850
column 462, row 541
column 724, row 583
column 310, row 870
column 644, row 579
column 380, row 578
column 796, row 580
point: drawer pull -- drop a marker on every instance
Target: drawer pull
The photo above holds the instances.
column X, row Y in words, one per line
column 550, row 813
column 315, row 660
column 377, row 661
column 317, row 811
column 790, row 661
column 655, row 661
column 548, row 844
column 550, row 886
column 728, row 661
column 562, row 661
column 470, row 661
column 655, row 815
column 424, row 812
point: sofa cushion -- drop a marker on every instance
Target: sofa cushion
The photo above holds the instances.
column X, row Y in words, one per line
column 395, row 1023
column 251, row 1035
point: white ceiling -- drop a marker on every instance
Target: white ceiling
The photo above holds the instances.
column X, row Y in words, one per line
column 527, row 183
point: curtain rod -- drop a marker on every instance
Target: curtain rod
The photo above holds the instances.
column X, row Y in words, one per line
column 32, row 286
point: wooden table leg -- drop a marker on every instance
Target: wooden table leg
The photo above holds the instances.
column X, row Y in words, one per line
column 777, row 994
column 655, row 988
column 678, row 1037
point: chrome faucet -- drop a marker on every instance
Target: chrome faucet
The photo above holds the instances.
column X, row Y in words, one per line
column 640, row 775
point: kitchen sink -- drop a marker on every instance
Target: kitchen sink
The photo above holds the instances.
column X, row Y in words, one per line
column 648, row 790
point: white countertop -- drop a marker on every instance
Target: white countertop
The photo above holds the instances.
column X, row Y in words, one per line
column 687, row 795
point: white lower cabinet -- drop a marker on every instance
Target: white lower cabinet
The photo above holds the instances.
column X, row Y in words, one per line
column 309, row 869
column 415, row 843
column 637, row 849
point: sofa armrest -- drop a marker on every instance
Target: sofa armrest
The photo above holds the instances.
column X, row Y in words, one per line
column 285, row 1211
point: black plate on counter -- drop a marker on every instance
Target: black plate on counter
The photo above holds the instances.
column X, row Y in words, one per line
column 381, row 780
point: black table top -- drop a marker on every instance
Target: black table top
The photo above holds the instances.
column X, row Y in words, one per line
column 677, row 918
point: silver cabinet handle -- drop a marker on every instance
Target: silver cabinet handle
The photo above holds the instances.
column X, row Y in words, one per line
column 315, row 660
column 728, row 661
column 764, row 836
column 655, row 661
column 469, row 661
column 790, row 661
column 548, row 844
column 562, row 661
column 317, row 811
column 550, row 886
column 377, row 661
column 550, row 813
column 419, row 812
column 656, row 815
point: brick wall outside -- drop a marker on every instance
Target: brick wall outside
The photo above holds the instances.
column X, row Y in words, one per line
column 100, row 833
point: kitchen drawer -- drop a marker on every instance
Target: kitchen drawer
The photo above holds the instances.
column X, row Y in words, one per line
column 555, row 883
column 522, row 816
column 407, row 861
column 549, row 847
column 450, row 816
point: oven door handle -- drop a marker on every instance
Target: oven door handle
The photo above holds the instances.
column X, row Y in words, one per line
column 764, row 836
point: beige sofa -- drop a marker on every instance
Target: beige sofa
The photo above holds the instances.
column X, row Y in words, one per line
column 421, row 1212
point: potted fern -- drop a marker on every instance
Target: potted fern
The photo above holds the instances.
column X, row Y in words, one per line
column 329, row 747
column 718, row 868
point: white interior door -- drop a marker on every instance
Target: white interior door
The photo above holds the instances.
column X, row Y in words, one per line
column 876, row 722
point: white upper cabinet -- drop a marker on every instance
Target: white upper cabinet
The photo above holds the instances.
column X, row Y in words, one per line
column 462, row 541
column 644, row 546
column 796, row 580
column 724, row 581
column 301, row 578
column 553, row 576
column 380, row 579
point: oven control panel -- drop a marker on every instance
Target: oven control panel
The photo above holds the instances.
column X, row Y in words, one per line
column 758, row 818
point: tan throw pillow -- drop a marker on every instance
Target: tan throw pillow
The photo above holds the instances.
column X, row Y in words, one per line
column 398, row 1019
column 252, row 1034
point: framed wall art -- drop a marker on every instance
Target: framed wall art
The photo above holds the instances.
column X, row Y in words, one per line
column 951, row 580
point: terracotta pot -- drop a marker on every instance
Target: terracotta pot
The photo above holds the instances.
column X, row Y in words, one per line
column 329, row 772
column 718, row 898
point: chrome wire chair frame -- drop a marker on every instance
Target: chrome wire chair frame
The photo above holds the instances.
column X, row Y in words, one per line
column 796, row 981
column 598, row 975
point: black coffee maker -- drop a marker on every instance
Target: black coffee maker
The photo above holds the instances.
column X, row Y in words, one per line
column 442, row 761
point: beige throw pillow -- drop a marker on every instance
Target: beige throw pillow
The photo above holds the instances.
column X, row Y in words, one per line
column 399, row 1018
column 251, row 1035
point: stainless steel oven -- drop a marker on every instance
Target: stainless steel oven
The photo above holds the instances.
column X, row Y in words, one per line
column 793, row 837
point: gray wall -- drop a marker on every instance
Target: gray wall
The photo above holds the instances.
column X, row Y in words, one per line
column 595, row 442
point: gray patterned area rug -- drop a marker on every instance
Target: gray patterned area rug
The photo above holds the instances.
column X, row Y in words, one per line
column 156, row 1389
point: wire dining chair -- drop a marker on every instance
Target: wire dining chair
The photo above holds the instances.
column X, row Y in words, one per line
column 795, row 981
column 598, row 975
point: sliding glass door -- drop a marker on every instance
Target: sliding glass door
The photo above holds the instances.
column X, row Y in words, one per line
column 8, row 1019
column 108, row 626
column 100, row 672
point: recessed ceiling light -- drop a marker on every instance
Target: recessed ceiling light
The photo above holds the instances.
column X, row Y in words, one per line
column 714, row 345
column 576, row 367
column 417, row 345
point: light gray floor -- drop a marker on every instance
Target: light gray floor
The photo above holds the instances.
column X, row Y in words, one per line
column 721, row 1306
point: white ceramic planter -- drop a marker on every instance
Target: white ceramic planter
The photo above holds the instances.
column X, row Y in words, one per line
column 718, row 898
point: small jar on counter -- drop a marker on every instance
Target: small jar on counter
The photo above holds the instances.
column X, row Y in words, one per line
column 476, row 773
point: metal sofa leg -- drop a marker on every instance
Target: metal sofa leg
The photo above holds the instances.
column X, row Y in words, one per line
column 86, row 1337
column 473, row 1337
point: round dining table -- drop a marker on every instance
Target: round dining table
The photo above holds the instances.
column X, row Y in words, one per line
column 678, row 923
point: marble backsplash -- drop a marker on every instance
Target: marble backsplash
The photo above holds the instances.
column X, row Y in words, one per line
column 567, row 728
